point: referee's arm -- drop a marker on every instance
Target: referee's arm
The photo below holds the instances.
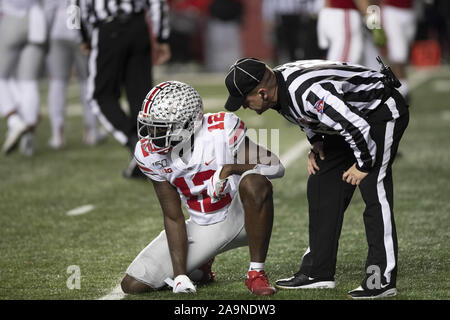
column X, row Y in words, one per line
column 337, row 114
column 83, row 7
column 159, row 16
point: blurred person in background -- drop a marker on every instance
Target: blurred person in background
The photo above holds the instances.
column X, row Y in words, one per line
column 399, row 23
column 342, row 30
column 432, row 41
column 64, row 54
column 23, row 34
column 374, row 35
column 121, row 55
column 187, row 25
column 442, row 8
column 292, row 26
column 223, row 34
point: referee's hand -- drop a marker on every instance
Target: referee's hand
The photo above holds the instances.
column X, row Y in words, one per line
column 162, row 53
column 353, row 175
column 316, row 152
column 85, row 48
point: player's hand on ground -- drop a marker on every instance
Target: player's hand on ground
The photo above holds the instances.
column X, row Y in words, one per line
column 354, row 176
column 182, row 284
column 316, row 151
column 217, row 187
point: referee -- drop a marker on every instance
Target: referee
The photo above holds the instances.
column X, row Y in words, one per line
column 120, row 54
column 354, row 119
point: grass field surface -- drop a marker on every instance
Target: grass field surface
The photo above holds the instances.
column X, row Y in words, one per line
column 40, row 241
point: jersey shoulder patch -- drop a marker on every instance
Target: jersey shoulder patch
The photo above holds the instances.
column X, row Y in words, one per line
column 144, row 159
column 235, row 130
column 228, row 127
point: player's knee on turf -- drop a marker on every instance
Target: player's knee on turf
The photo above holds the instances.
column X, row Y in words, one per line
column 132, row 286
column 255, row 188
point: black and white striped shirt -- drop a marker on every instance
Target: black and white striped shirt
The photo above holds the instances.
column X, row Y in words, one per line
column 326, row 97
column 94, row 12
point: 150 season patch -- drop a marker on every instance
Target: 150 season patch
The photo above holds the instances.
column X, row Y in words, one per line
column 226, row 309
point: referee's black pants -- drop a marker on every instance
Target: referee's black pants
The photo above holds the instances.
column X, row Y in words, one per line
column 120, row 58
column 328, row 197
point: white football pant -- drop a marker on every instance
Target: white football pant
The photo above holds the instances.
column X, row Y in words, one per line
column 341, row 32
column 400, row 27
column 153, row 264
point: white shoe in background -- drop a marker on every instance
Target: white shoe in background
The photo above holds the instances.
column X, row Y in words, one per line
column 16, row 129
column 56, row 142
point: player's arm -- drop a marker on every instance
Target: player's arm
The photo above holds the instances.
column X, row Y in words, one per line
column 362, row 6
column 174, row 223
column 249, row 156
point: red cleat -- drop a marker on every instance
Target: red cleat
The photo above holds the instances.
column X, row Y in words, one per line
column 258, row 283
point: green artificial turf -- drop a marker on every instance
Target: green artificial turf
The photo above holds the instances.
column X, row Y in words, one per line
column 39, row 241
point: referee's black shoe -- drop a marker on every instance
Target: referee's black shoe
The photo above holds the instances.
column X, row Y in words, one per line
column 302, row 281
column 362, row 292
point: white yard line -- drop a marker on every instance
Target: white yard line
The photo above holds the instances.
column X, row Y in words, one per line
column 287, row 159
column 295, row 152
column 419, row 77
column 445, row 115
column 442, row 85
column 115, row 294
column 80, row 210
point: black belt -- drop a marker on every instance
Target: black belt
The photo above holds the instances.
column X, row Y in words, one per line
column 121, row 17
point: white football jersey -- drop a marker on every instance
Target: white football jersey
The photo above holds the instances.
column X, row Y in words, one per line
column 215, row 144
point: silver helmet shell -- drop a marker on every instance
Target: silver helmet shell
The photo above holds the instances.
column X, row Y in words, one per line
column 171, row 113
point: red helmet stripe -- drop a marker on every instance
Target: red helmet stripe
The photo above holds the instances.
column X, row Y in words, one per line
column 150, row 99
column 152, row 94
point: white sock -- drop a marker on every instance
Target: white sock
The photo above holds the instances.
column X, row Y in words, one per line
column 57, row 105
column 13, row 119
column 90, row 120
column 256, row 266
column 29, row 104
column 7, row 100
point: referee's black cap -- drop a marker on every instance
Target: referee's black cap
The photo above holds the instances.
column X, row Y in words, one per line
column 244, row 75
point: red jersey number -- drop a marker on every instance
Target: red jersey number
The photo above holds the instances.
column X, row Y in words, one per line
column 193, row 201
column 218, row 119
